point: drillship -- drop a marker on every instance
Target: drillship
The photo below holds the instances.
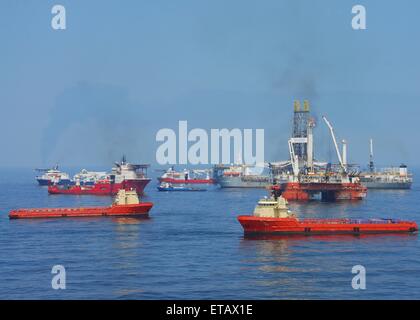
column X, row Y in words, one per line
column 239, row 176
column 389, row 178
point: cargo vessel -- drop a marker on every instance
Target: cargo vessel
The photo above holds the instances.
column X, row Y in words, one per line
column 126, row 204
column 239, row 176
column 187, row 177
column 386, row 178
column 272, row 216
column 124, row 175
column 166, row 186
column 51, row 176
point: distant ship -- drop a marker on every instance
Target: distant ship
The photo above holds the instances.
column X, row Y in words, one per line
column 124, row 175
column 51, row 176
column 166, row 186
column 391, row 178
column 185, row 177
column 388, row 178
column 85, row 177
column 54, row 176
column 239, row 176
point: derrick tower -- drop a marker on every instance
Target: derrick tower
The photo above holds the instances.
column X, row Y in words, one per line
column 300, row 128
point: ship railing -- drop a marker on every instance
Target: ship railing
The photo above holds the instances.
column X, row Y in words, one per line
column 57, row 209
column 328, row 221
column 350, row 221
column 256, row 178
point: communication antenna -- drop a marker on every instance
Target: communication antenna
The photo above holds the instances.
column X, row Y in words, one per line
column 371, row 165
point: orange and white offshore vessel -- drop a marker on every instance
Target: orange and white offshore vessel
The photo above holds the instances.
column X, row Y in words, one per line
column 126, row 203
column 272, row 216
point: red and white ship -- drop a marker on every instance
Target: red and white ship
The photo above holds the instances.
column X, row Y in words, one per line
column 187, row 177
column 272, row 216
column 126, row 204
column 124, row 175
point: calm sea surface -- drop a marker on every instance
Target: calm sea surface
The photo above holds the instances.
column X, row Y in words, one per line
column 193, row 248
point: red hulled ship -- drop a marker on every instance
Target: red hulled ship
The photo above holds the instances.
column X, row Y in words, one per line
column 272, row 216
column 126, row 204
column 124, row 175
column 187, row 177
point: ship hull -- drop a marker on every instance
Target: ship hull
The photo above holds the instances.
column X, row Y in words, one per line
column 240, row 182
column 387, row 185
column 101, row 188
column 186, row 181
column 258, row 225
column 128, row 210
column 46, row 182
column 173, row 189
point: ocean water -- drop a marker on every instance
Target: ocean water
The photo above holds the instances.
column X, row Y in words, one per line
column 192, row 247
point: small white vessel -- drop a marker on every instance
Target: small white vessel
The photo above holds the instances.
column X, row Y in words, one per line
column 52, row 176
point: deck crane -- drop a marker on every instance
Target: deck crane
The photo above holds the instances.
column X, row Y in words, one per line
column 343, row 167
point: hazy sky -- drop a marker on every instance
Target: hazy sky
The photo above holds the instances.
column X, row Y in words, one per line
column 124, row 69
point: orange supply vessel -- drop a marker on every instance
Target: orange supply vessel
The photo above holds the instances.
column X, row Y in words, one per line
column 126, row 204
column 272, row 216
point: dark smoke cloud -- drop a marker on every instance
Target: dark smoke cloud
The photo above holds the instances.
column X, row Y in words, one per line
column 301, row 67
column 297, row 79
column 112, row 124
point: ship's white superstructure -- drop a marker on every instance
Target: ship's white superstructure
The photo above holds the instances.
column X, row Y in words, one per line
column 52, row 176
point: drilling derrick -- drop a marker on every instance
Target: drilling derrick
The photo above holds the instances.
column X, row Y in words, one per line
column 300, row 128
